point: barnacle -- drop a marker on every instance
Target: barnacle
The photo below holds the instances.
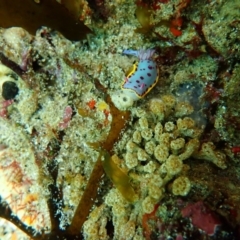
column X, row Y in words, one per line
column 8, row 86
column 9, row 90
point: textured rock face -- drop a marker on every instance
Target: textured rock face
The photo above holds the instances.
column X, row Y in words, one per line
column 177, row 144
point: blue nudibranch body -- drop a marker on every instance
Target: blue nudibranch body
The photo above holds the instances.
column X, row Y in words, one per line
column 140, row 81
column 144, row 75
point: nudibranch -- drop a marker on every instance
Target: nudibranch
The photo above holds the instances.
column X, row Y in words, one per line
column 140, row 80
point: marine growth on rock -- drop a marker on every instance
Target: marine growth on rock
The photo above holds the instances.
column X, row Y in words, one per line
column 128, row 132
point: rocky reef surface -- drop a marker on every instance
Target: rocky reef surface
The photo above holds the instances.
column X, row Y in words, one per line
column 77, row 162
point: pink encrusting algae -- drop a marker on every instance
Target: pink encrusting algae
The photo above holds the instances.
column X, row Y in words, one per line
column 202, row 217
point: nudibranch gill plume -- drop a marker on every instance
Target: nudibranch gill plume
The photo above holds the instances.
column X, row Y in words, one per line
column 140, row 80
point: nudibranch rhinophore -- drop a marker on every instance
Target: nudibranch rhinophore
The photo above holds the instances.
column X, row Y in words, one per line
column 140, row 81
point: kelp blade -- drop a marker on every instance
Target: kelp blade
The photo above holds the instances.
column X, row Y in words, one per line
column 31, row 16
column 119, row 178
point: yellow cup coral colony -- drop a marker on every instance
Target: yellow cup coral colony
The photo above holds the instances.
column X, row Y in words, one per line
column 153, row 154
column 62, row 113
column 149, row 157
